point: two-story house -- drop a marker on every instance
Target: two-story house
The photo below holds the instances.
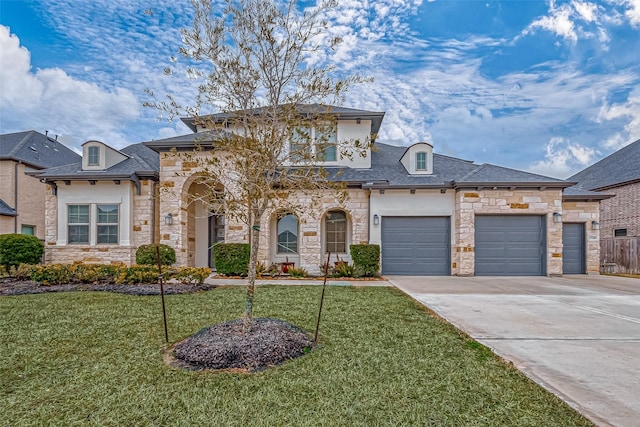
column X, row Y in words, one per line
column 22, row 196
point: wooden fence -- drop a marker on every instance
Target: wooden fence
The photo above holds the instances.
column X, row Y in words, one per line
column 620, row 255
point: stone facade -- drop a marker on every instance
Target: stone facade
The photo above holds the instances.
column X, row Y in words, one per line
column 586, row 212
column 143, row 225
column 621, row 211
column 470, row 203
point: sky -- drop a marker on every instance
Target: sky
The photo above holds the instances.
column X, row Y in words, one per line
column 549, row 87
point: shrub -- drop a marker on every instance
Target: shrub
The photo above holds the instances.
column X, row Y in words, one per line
column 366, row 257
column 232, row 259
column 298, row 272
column 343, row 269
column 21, row 272
column 147, row 255
column 92, row 273
column 52, row 274
column 16, row 249
column 191, row 275
column 137, row 274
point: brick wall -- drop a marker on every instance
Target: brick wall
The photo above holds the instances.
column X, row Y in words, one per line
column 31, row 195
column 621, row 211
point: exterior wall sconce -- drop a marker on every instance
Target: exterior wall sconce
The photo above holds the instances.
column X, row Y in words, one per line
column 595, row 225
column 376, row 219
column 557, row 217
column 168, row 219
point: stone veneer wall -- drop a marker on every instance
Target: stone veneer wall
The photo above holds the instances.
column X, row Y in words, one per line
column 177, row 174
column 586, row 212
column 142, row 232
column 31, row 203
column 470, row 203
column 621, row 211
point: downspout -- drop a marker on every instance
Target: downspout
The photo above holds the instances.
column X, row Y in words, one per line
column 368, row 216
column 153, row 211
column 15, row 195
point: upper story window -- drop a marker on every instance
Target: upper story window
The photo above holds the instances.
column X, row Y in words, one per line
column 421, row 161
column 94, row 156
column 320, row 143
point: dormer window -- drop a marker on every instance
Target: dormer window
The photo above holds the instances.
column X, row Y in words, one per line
column 94, row 156
column 421, row 161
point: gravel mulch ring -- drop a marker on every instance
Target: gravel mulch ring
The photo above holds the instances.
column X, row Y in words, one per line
column 271, row 342
column 19, row 287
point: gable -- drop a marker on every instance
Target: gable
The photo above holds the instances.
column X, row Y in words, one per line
column 418, row 159
column 97, row 155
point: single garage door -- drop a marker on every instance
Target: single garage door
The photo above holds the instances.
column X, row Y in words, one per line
column 510, row 245
column 573, row 253
column 416, row 246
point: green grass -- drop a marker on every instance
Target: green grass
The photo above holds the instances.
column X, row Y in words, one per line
column 89, row 358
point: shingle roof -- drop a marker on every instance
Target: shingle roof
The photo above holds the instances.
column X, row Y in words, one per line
column 340, row 112
column 186, row 141
column 35, row 149
column 577, row 193
column 6, row 210
column 142, row 161
column 387, row 171
column 618, row 168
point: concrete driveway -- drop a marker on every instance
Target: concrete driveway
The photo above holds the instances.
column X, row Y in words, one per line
column 577, row 336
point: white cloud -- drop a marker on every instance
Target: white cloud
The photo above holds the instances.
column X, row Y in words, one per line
column 633, row 11
column 563, row 158
column 628, row 111
column 51, row 99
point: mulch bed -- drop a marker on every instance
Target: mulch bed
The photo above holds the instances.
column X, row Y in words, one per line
column 270, row 342
column 9, row 286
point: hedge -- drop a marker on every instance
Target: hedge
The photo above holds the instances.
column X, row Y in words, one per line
column 232, row 259
column 148, row 255
column 16, row 249
column 367, row 258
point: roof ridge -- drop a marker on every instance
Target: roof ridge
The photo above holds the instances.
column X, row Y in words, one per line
column 473, row 172
column 26, row 137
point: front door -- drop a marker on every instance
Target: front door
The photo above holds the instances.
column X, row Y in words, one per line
column 216, row 235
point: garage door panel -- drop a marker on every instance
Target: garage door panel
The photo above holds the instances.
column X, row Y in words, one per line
column 510, row 245
column 416, row 245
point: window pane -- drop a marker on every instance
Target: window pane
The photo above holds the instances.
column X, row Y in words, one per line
column 107, row 234
column 300, row 146
column 327, row 153
column 288, row 235
column 421, row 161
column 336, row 232
column 28, row 229
column 78, row 214
column 93, row 155
column 107, row 214
column 78, row 234
column 326, row 139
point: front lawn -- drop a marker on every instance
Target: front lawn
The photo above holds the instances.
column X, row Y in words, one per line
column 90, row 358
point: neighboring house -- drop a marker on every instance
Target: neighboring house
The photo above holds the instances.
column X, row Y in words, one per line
column 432, row 214
column 103, row 207
column 617, row 174
column 22, row 197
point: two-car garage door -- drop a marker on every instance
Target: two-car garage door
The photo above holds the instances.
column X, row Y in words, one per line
column 505, row 245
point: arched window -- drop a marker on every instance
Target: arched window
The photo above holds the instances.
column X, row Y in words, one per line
column 335, row 226
column 421, row 161
column 288, row 235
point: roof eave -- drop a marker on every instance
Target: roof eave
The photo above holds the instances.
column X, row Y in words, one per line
column 503, row 184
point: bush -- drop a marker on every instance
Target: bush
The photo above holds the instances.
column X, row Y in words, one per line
column 21, row 272
column 191, row 275
column 147, row 255
column 93, row 273
column 366, row 257
column 343, row 269
column 137, row 274
column 232, row 259
column 52, row 274
column 16, row 249
column 297, row 272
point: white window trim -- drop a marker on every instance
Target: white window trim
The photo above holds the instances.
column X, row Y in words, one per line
column 314, row 148
column 93, row 224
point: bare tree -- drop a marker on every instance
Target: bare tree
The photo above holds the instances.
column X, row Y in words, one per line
column 269, row 124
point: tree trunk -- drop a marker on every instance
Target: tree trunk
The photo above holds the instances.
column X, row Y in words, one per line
column 254, row 235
